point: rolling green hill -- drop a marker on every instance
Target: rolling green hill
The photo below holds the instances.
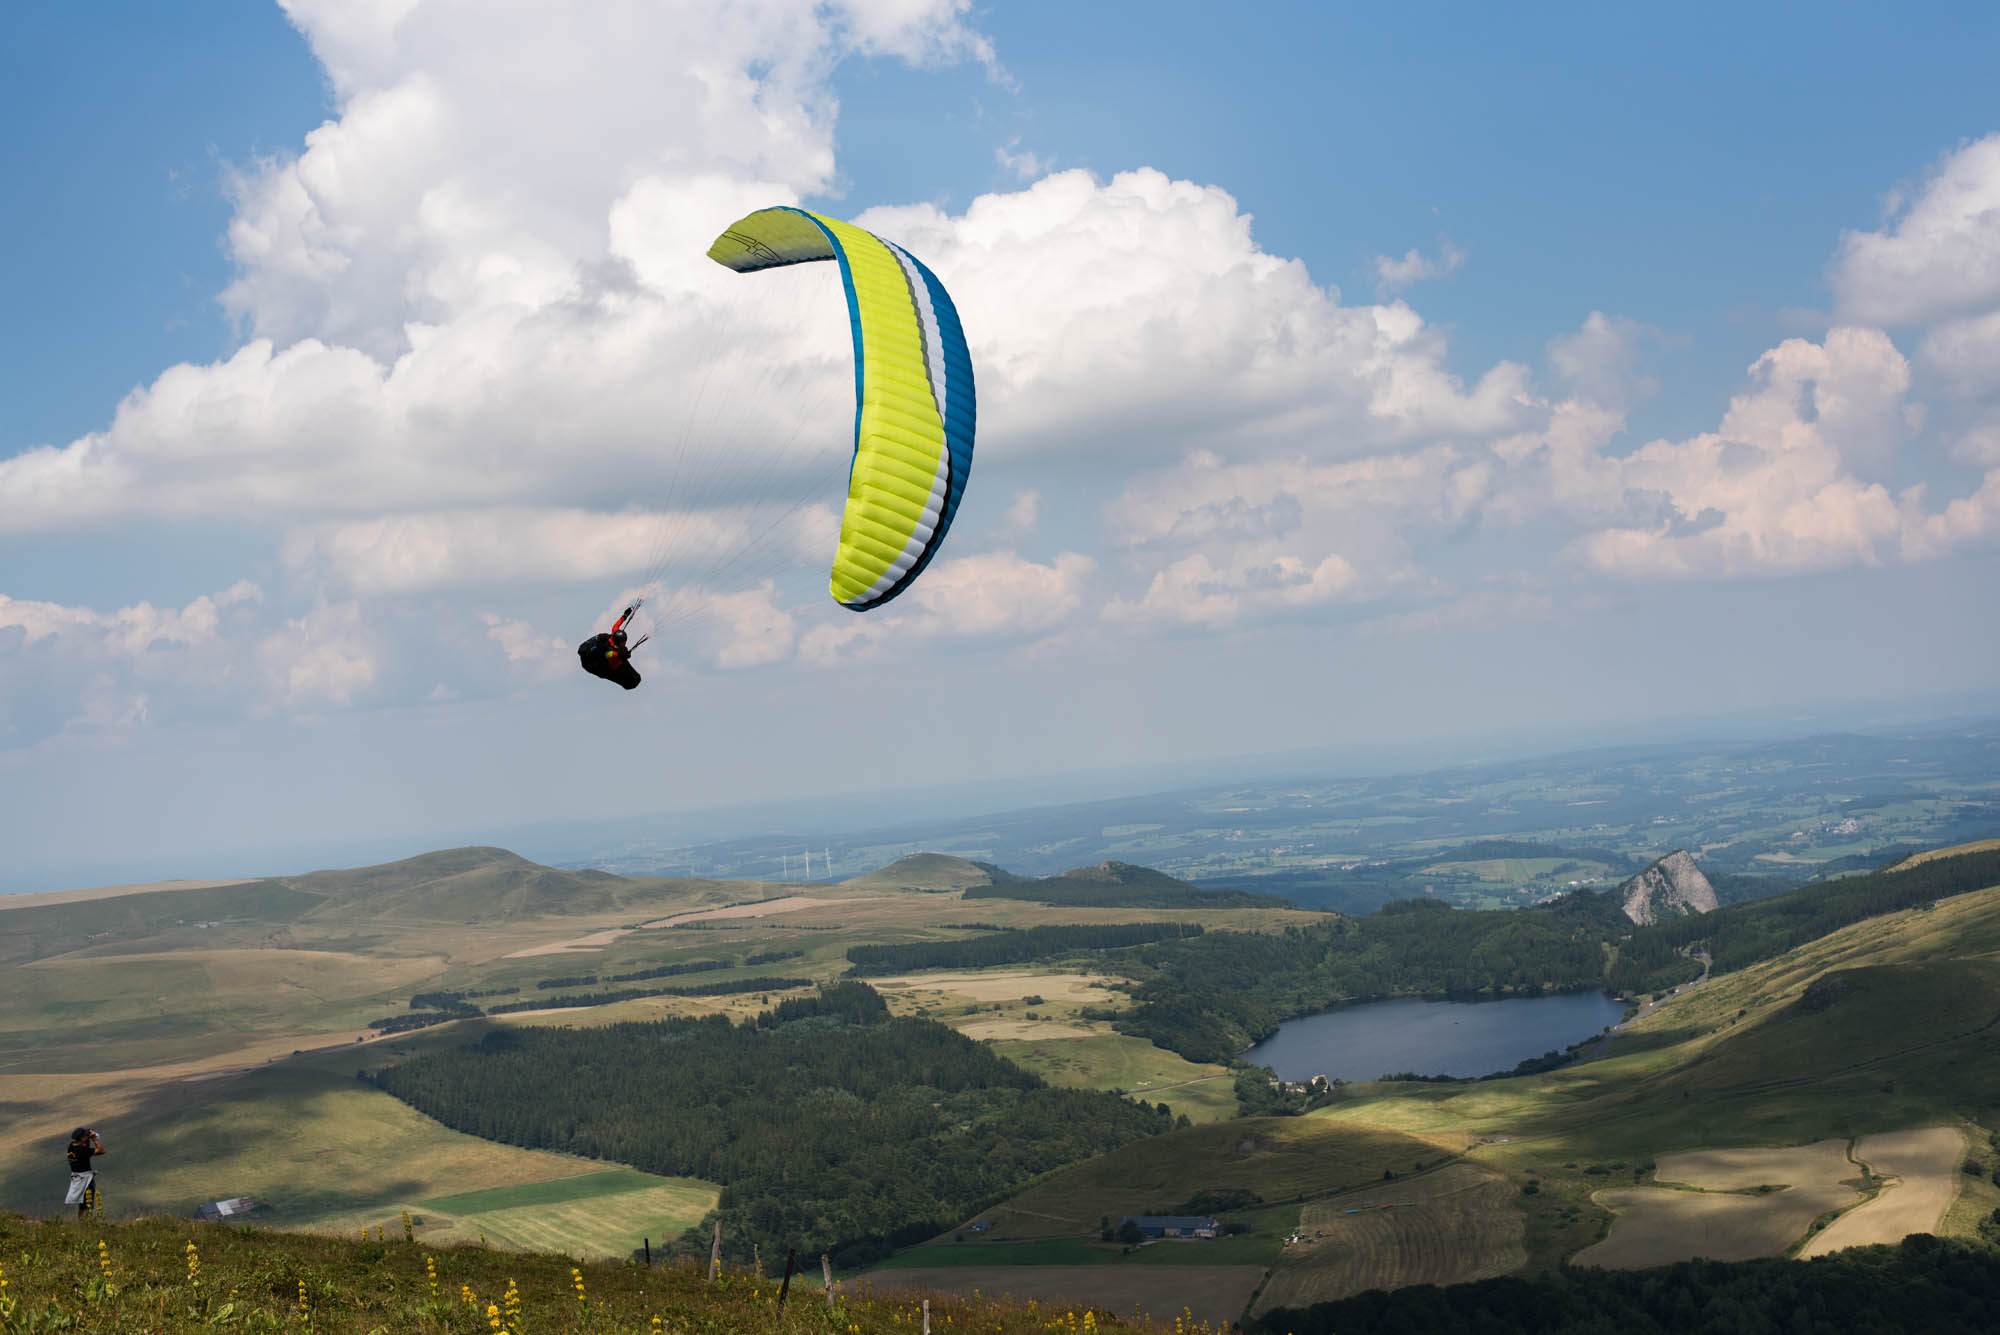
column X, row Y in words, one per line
column 473, row 885
column 1121, row 885
column 931, row 872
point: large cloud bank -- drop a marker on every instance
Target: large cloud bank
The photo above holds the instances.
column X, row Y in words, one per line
column 473, row 298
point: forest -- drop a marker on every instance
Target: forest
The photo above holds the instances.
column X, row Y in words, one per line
column 832, row 1126
column 1922, row 1286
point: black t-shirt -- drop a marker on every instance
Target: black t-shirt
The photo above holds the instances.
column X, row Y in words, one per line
column 79, row 1156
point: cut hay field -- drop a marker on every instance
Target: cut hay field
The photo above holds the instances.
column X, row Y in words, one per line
column 1726, row 1217
column 1923, row 1168
column 1192, row 1294
column 990, row 986
column 604, row 1214
column 1451, row 1226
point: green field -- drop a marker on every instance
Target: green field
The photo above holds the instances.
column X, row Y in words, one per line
column 1204, row 1093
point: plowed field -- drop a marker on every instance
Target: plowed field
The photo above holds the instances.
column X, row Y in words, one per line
column 1447, row 1227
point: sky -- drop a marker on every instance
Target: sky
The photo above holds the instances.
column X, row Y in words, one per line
column 1369, row 375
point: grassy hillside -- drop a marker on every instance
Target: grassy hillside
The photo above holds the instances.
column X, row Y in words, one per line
column 933, row 872
column 176, row 1278
column 1888, row 1024
column 1279, row 1161
column 144, row 1009
column 320, row 1148
column 1122, row 885
column 473, row 885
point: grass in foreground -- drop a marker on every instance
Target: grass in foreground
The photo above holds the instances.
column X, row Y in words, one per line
column 177, row 1278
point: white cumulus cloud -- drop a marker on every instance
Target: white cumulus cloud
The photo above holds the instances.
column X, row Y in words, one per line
column 1940, row 256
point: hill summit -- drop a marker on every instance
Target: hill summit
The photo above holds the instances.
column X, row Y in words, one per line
column 1124, row 873
column 464, row 884
column 1673, row 887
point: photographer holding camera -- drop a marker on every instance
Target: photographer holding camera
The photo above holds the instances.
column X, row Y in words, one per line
column 83, row 1144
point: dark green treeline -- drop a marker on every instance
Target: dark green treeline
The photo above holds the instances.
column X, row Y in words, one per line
column 1924, row 1286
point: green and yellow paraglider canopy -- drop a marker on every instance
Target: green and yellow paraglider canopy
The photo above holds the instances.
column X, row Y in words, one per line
column 914, row 403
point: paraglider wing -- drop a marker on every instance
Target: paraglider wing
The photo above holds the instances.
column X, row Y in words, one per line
column 914, row 402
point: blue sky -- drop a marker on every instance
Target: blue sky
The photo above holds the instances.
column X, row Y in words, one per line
column 1353, row 375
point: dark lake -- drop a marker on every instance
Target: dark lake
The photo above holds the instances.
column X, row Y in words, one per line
column 1376, row 1038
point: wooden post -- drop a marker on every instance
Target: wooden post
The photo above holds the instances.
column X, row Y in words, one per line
column 791, row 1264
column 715, row 1254
column 826, row 1272
column 649, row 1252
column 756, row 1261
column 927, row 1316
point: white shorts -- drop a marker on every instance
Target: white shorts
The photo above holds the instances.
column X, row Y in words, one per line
column 78, row 1184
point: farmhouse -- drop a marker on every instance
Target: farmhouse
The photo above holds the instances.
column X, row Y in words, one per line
column 1174, row 1225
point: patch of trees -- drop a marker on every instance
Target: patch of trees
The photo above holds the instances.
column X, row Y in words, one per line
column 721, row 988
column 1259, row 1093
column 1016, row 947
column 456, row 996
column 833, row 1126
column 639, row 975
column 772, row 957
column 399, row 1024
column 1922, row 1286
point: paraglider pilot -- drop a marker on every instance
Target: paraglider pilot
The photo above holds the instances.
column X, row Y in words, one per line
column 609, row 657
column 83, row 1146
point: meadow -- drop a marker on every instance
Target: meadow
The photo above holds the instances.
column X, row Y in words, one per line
column 1200, row 1091
column 178, row 1278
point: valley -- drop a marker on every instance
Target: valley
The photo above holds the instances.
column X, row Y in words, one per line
column 221, row 1060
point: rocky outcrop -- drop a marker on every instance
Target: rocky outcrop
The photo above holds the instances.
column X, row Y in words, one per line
column 1673, row 887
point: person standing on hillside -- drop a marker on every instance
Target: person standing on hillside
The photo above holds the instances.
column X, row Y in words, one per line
column 83, row 1144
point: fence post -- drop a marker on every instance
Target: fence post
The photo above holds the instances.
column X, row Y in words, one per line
column 649, row 1252
column 756, row 1260
column 927, row 1316
column 791, row 1264
column 826, row 1271
column 715, row 1254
